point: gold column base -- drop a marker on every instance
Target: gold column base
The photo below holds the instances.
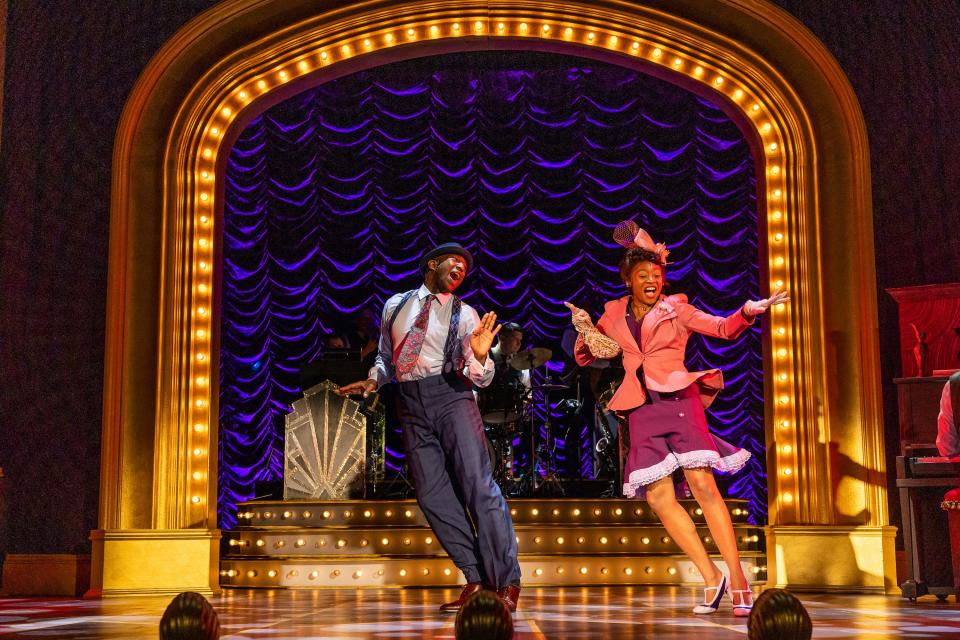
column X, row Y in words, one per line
column 153, row 562
column 832, row 558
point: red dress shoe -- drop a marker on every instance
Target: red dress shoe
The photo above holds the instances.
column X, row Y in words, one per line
column 469, row 590
column 509, row 595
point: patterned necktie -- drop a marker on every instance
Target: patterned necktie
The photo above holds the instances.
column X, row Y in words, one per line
column 414, row 341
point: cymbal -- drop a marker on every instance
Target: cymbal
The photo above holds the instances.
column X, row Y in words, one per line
column 550, row 387
column 530, row 358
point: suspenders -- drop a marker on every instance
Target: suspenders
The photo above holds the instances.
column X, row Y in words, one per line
column 452, row 350
column 954, row 383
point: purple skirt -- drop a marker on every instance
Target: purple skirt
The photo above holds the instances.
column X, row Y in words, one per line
column 669, row 432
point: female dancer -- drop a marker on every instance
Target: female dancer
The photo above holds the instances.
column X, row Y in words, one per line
column 664, row 404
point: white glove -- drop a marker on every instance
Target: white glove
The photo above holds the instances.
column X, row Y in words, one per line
column 600, row 345
column 753, row 308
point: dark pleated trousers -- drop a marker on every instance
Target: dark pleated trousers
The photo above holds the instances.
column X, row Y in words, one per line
column 450, row 468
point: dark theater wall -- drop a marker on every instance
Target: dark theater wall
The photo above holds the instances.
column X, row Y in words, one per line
column 69, row 69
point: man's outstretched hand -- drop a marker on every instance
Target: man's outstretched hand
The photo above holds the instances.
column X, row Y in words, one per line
column 482, row 337
column 361, row 387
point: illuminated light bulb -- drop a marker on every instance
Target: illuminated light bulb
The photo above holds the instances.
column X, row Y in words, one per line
column 434, row 30
column 538, row 572
column 199, row 452
column 603, row 539
column 207, row 153
column 546, row 28
column 754, row 538
column 778, row 261
column 736, row 512
column 787, row 448
column 517, row 538
column 597, row 512
column 272, row 573
column 345, row 50
column 672, row 571
column 204, row 266
column 261, row 84
column 302, row 65
column 787, row 471
column 447, row 572
column 581, row 540
column 478, row 26
column 357, row 574
column 783, row 377
column 568, row 32
column 623, row 539
column 227, row 112
column 204, row 219
column 698, row 71
column 645, row 540
column 778, row 237
column 428, row 540
column 718, row 80
column 523, row 27
column 341, row 543
column 777, row 193
column 379, row 572
column 556, row 512
column 604, row 570
column 388, row 513
column 198, row 475
column 788, row 497
column 677, row 62
column 324, row 56
column 583, row 571
column 766, row 127
column 384, row 541
column 628, row 571
column 325, row 514
column 367, row 514
column 560, row 540
column 664, row 539
column 195, row 499
column 243, row 95
column 260, row 542
column 426, row 572
column 591, row 36
column 202, row 288
column 215, row 131
column 403, row 572
column 648, row 569
column 537, row 540
column 781, row 353
column 706, row 539
column 775, row 170
column 773, row 146
column 301, row 542
column 198, row 428
column 204, row 242
column 657, row 52
column 784, row 399
column 411, row 33
column 313, row 575
column 408, row 513
column 293, row 574
column 755, row 569
column 755, row 107
column 777, row 215
column 205, row 174
column 456, row 27
column 638, row 511
column 407, row 541
column 738, row 94
column 199, row 403
column 779, row 283
column 513, row 512
column 785, row 424
column 698, row 511
column 200, row 356
column 576, row 512
column 613, row 41
column 618, row 511
column 535, row 512
column 283, row 75
column 559, row 569
column 367, row 44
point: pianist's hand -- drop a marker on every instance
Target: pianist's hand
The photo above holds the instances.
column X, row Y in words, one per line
column 362, row 387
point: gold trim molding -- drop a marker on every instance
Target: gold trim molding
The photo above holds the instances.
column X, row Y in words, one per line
column 770, row 74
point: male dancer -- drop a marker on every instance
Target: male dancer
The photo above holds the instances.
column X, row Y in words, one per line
column 436, row 347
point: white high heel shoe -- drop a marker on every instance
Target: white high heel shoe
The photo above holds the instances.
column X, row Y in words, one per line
column 710, row 605
column 746, row 602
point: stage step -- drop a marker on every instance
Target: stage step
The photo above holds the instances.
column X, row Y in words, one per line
column 387, row 543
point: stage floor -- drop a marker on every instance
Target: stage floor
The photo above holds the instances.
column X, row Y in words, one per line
column 562, row 613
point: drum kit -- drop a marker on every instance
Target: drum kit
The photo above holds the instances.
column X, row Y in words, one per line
column 512, row 427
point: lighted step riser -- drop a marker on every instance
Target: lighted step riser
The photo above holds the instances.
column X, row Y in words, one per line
column 633, row 540
column 424, row 572
column 406, row 513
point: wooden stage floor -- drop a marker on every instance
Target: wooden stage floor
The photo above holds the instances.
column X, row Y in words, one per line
column 558, row 612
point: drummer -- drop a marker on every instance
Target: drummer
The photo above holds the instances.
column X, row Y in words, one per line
column 508, row 344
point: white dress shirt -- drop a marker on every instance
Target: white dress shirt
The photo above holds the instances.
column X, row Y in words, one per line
column 948, row 440
column 430, row 361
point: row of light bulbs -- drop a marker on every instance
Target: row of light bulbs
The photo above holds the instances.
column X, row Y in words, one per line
column 242, row 95
column 326, row 514
column 425, row 571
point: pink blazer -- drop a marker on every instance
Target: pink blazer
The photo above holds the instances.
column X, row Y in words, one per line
column 664, row 333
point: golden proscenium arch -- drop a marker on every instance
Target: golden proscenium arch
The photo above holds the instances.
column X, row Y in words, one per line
column 824, row 431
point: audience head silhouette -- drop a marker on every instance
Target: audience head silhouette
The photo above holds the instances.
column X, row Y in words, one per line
column 778, row 615
column 189, row 617
column 484, row 617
